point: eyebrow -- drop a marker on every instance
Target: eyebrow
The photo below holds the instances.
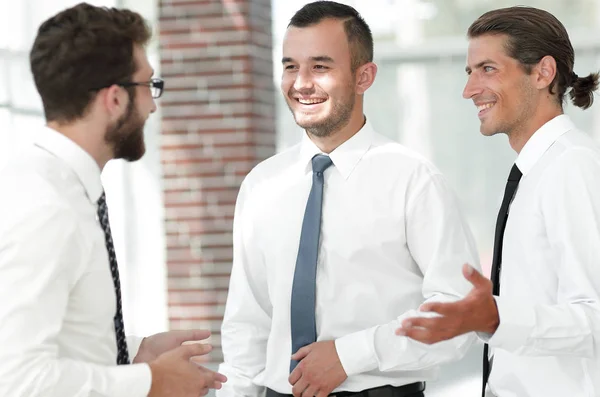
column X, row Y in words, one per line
column 320, row 58
column 480, row 64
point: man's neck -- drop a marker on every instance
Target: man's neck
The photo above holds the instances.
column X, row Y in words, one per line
column 86, row 135
column 519, row 137
column 334, row 140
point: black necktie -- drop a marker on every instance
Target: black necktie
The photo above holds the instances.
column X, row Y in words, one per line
column 302, row 311
column 511, row 186
column 122, row 352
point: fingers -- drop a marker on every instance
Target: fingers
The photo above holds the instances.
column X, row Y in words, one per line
column 299, row 387
column 442, row 308
column 422, row 335
column 190, row 335
column 193, row 349
column 474, row 277
column 212, row 379
column 295, row 375
column 421, row 322
column 310, row 391
column 220, row 377
column 302, row 352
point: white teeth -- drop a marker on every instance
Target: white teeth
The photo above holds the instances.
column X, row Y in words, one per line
column 310, row 101
column 485, row 106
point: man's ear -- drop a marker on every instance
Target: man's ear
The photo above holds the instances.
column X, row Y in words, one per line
column 365, row 77
column 545, row 72
column 114, row 100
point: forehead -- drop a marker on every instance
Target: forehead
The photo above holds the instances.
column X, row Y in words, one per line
column 143, row 68
column 488, row 46
column 328, row 37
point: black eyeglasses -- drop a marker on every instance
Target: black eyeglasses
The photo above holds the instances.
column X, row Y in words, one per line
column 156, row 86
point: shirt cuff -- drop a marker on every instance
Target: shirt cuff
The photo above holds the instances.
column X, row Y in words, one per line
column 484, row 336
column 133, row 345
column 516, row 324
column 130, row 380
column 356, row 352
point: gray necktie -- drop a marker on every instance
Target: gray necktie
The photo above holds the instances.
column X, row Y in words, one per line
column 122, row 351
column 303, row 324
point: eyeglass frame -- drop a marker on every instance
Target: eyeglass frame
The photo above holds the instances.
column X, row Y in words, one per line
column 152, row 83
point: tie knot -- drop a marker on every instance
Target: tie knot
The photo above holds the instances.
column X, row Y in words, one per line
column 515, row 174
column 320, row 163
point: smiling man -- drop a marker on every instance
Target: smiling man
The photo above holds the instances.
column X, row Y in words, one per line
column 541, row 312
column 339, row 237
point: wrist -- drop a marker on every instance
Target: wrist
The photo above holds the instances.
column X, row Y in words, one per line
column 494, row 322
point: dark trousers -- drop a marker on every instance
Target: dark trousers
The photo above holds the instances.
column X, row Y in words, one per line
column 411, row 390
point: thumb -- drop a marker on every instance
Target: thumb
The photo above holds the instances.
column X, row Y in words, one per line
column 473, row 276
column 193, row 349
column 191, row 335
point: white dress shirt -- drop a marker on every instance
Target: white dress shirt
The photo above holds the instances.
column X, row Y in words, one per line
column 57, row 298
column 548, row 341
column 392, row 237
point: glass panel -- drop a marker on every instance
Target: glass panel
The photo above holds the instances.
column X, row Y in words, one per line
column 5, row 144
column 4, row 82
column 22, row 89
column 454, row 17
column 12, row 24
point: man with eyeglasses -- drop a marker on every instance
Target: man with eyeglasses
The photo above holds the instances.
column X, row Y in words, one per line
column 61, row 323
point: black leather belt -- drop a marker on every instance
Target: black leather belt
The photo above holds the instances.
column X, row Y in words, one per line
column 383, row 391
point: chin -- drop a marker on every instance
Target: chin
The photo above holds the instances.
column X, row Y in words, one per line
column 308, row 122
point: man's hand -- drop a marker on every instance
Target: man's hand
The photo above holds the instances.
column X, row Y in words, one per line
column 155, row 345
column 174, row 374
column 319, row 371
column 475, row 312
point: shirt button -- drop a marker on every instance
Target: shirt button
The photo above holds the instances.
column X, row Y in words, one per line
column 319, row 173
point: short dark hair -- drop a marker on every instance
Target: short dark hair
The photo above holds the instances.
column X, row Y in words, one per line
column 533, row 34
column 360, row 38
column 82, row 48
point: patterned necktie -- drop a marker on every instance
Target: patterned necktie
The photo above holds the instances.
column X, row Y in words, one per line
column 511, row 187
column 122, row 352
column 302, row 311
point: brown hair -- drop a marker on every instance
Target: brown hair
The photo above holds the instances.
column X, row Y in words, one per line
column 357, row 31
column 533, row 34
column 81, row 49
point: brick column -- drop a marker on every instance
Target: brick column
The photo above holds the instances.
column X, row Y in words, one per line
column 218, row 121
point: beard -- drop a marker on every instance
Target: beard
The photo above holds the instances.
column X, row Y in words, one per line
column 126, row 135
column 338, row 118
column 524, row 110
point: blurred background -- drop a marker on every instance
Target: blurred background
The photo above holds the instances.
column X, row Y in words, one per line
column 222, row 112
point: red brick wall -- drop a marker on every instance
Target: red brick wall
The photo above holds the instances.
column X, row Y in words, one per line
column 218, row 121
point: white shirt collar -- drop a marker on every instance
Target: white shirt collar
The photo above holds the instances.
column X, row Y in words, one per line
column 346, row 156
column 80, row 161
column 541, row 141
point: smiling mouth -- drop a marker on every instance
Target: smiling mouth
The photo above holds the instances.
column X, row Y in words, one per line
column 314, row 101
column 486, row 106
